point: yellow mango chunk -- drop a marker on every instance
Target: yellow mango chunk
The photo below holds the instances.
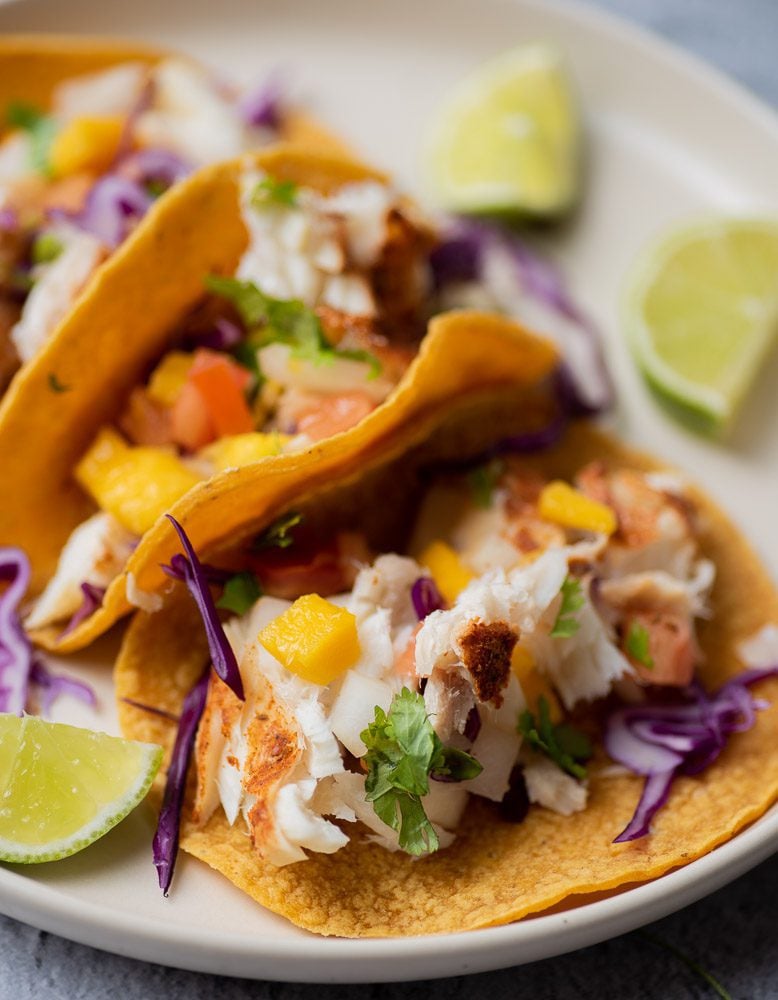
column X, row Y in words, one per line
column 450, row 574
column 534, row 684
column 564, row 505
column 314, row 639
column 242, row 449
column 135, row 485
column 168, row 378
column 86, row 144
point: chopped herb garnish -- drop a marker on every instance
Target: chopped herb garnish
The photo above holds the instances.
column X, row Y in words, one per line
column 403, row 752
column 573, row 600
column 278, row 534
column 565, row 745
column 483, row 482
column 55, row 385
column 40, row 128
column 46, row 247
column 155, row 187
column 637, row 644
column 240, row 593
column 273, row 192
column 283, row 321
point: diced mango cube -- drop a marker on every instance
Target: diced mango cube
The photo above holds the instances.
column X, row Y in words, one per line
column 89, row 143
column 242, row 449
column 136, row 485
column 168, row 378
column 314, row 639
column 562, row 504
column 534, row 684
column 450, row 574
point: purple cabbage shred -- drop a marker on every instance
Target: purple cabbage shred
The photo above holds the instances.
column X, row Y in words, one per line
column 15, row 649
column 663, row 741
column 53, row 686
column 263, row 106
column 426, row 597
column 112, row 206
column 90, row 602
column 165, row 844
column 189, row 569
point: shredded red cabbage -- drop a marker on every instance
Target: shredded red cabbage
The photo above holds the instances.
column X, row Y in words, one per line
column 9, row 220
column 472, row 724
column 54, row 686
column 112, row 206
column 154, row 166
column 15, row 649
column 165, row 845
column 662, row 741
column 540, row 297
column 196, row 580
column 152, row 709
column 222, row 336
column 263, row 105
column 91, row 601
column 426, row 597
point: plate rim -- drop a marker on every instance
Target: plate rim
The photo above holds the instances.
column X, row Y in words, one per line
column 315, row 959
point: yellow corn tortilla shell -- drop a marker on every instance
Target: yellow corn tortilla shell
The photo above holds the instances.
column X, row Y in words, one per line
column 495, row 872
column 490, row 352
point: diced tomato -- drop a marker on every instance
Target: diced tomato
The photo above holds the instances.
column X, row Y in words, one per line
column 307, row 568
column 221, row 383
column 190, row 423
column 333, row 414
column 144, row 421
column 405, row 663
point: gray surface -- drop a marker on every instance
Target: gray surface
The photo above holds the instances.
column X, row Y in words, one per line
column 731, row 934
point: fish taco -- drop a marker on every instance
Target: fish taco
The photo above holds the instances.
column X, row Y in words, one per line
column 493, row 670
column 267, row 306
column 92, row 133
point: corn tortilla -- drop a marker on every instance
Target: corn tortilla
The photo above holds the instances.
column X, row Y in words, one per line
column 495, row 872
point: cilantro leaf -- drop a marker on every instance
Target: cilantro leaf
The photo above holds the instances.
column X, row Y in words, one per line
column 637, row 644
column 573, row 600
column 565, row 745
column 284, row 321
column 277, row 535
column 41, row 129
column 270, row 191
column 483, row 482
column 240, row 593
column 46, row 247
column 403, row 752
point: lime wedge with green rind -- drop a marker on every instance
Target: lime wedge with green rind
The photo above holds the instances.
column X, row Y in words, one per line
column 701, row 314
column 62, row 788
column 507, row 140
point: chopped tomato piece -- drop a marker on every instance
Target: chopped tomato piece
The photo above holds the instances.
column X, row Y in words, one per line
column 304, row 569
column 333, row 414
column 671, row 647
column 405, row 662
column 190, row 423
column 221, row 383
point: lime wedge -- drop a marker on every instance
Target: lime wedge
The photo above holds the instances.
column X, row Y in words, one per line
column 507, row 140
column 63, row 787
column 701, row 312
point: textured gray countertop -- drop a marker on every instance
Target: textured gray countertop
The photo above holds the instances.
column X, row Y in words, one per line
column 731, row 933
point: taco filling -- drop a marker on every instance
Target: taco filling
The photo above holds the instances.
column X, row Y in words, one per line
column 387, row 689
column 75, row 178
column 323, row 316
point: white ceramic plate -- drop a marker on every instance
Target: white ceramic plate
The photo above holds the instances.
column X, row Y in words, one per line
column 669, row 139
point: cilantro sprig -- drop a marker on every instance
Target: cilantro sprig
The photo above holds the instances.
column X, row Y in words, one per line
column 565, row 745
column 483, row 481
column 638, row 645
column 240, row 593
column 40, row 127
column 283, row 321
column 403, row 752
column 573, row 600
column 270, row 191
column 46, row 247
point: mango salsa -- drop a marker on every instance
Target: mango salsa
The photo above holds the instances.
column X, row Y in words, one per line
column 450, row 574
column 242, row 449
column 564, row 505
column 86, row 144
column 136, row 485
column 534, row 684
column 314, row 639
column 168, row 378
